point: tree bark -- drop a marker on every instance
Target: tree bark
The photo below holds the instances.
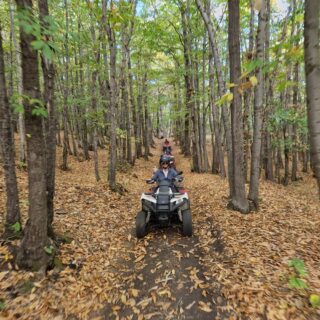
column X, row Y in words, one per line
column 215, row 117
column 113, row 104
column 258, row 108
column 50, row 123
column 21, row 125
column 7, row 152
column 221, row 90
column 312, row 63
column 238, row 200
column 188, row 80
column 247, row 98
column 31, row 253
column 64, row 165
column 94, row 77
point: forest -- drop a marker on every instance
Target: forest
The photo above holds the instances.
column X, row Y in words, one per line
column 90, row 90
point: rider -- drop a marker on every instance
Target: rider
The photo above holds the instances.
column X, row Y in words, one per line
column 164, row 172
column 166, row 148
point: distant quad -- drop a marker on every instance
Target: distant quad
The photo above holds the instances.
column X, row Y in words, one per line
column 165, row 205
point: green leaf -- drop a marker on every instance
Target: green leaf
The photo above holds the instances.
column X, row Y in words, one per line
column 299, row 266
column 36, row 102
column 49, row 250
column 47, row 52
column 314, row 300
column 37, row 44
column 2, row 305
column 18, row 108
column 297, row 283
column 39, row 111
column 16, row 227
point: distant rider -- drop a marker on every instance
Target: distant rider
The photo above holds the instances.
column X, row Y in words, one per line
column 166, row 148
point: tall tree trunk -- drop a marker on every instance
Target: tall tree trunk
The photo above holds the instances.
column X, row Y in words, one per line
column 135, row 118
column 21, row 125
column 203, row 129
column 7, row 151
column 94, row 77
column 221, row 90
column 195, row 109
column 113, row 105
column 294, row 168
column 238, row 200
column 32, row 253
column 84, row 126
column 188, row 80
column 258, row 108
column 268, row 159
column 50, row 123
column 64, row 165
column 215, row 117
column 247, row 98
column 312, row 62
column 144, row 107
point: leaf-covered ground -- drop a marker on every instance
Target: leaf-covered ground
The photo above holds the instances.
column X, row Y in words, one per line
column 234, row 267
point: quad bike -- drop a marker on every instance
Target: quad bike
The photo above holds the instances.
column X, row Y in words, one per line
column 167, row 149
column 164, row 206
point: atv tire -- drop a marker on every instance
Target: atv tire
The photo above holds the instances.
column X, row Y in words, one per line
column 187, row 223
column 141, row 225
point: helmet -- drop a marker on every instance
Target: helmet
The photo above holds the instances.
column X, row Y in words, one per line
column 164, row 159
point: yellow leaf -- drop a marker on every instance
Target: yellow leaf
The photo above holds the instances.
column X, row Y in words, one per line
column 204, row 307
column 253, row 80
column 134, row 292
column 230, row 85
column 123, row 299
column 257, row 4
column 139, row 258
column 229, row 97
column 314, row 300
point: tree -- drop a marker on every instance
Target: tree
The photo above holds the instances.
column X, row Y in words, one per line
column 31, row 253
column 312, row 69
column 258, row 108
column 238, row 197
column 50, row 122
column 222, row 91
column 7, row 152
column 113, row 103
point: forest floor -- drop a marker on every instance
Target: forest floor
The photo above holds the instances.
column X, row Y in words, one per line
column 234, row 267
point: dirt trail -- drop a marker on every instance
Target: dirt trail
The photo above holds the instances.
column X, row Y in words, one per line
column 104, row 272
column 166, row 278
